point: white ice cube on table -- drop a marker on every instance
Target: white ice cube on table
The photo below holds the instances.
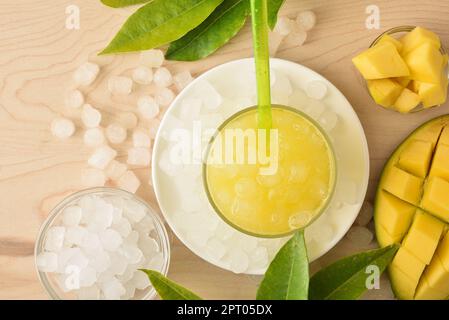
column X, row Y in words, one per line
column 148, row 107
column 316, row 89
column 89, row 293
column 110, row 239
column 239, row 260
column 215, row 248
column 129, row 182
column 163, row 77
column 115, row 133
column 141, row 139
column 55, row 238
column 143, row 75
column 71, row 216
column 211, row 98
column 92, row 177
column 120, row 85
column 284, row 26
column 190, row 108
column 62, row 128
column 140, row 280
column 164, row 96
column 112, row 289
column 153, row 58
column 102, row 157
column 75, row 235
column 86, row 74
column 182, row 79
column 88, row 276
column 115, row 170
column 74, row 99
column 47, row 262
column 139, row 157
column 90, row 116
column 306, row 20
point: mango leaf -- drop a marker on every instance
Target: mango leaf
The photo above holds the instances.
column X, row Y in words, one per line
column 287, row 277
column 167, row 289
column 273, row 9
column 223, row 24
column 122, row 3
column 346, row 279
column 160, row 22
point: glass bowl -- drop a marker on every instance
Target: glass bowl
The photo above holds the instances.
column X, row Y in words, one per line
column 49, row 279
column 396, row 33
column 324, row 205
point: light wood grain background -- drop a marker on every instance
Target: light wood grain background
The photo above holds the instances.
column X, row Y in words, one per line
column 38, row 56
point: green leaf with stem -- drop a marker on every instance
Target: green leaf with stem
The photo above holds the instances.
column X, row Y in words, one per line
column 273, row 10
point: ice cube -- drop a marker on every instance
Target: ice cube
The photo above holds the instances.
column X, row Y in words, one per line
column 215, row 249
column 148, row 245
column 63, row 257
column 182, row 79
column 328, row 120
column 297, row 37
column 282, row 86
column 110, row 239
column 259, row 258
column 88, row 276
column 129, row 182
column 75, row 235
column 93, row 137
column 212, row 100
column 102, row 157
column 145, row 226
column 120, row 85
column 128, row 274
column 140, row 280
column 152, row 58
column 143, row 75
column 55, row 238
column 67, row 282
column 275, row 41
column 74, row 99
column 89, row 293
column 239, row 260
column 131, row 253
column 99, row 260
column 102, row 218
column 316, row 89
column 306, row 20
column 117, row 214
column 115, row 170
column 62, row 128
column 112, row 289
column 77, row 261
column 141, row 139
column 115, row 133
column 360, row 236
column 248, row 243
column 139, row 157
column 91, row 241
column 365, row 215
column 90, row 116
column 123, row 227
column 163, row 78
column 92, row 177
column 154, row 128
column 71, row 216
column 134, row 211
column 47, row 262
column 284, row 26
column 190, row 108
column 164, row 96
column 86, row 74
column 148, row 107
column 224, row 232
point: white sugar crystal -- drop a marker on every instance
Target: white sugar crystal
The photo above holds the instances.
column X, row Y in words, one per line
column 110, row 240
column 113, row 289
column 248, row 244
column 164, row 96
column 75, row 235
column 123, row 227
column 91, row 241
column 119, row 264
column 120, row 85
column 259, row 258
column 55, row 239
column 77, row 260
column 67, row 283
column 89, row 293
column 182, row 79
column 139, row 157
column 129, row 182
column 115, row 170
column 71, row 216
column 148, row 245
column 143, row 75
column 275, row 41
column 100, row 260
column 239, row 260
column 92, row 177
column 63, row 257
column 90, row 116
column 212, row 100
column 131, row 253
column 62, row 128
column 328, row 120
column 360, row 236
column 316, row 89
column 115, row 133
column 365, row 215
column 141, row 139
column 297, row 37
column 134, row 211
column 284, row 26
column 191, row 108
column 148, row 107
column 163, row 78
column 215, row 248
column 47, row 262
column 154, row 128
column 133, row 237
column 198, row 239
column 102, row 217
column 152, row 58
column 306, row 20
column 93, row 137
column 102, row 157
column 224, row 232
column 140, row 280
column 74, row 99
column 145, row 226
column 86, row 74
column 88, row 277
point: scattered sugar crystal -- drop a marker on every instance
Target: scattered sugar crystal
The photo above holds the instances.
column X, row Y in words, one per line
column 328, row 120
column 140, row 280
column 360, row 236
column 365, row 215
column 110, row 240
column 47, row 262
column 129, row 182
column 62, row 128
column 92, row 177
column 89, row 293
column 143, row 75
column 141, row 139
column 275, row 41
column 298, row 36
column 148, row 107
column 139, row 157
column 215, row 249
column 154, row 128
column 164, row 96
column 316, row 89
column 163, row 78
column 55, row 238
column 152, row 58
column 71, row 216
column 128, row 120
column 113, row 289
column 134, row 211
column 86, row 74
column 115, row 170
column 306, row 20
column 88, row 277
column 102, row 157
column 90, row 116
column 239, row 260
column 74, row 99
column 131, row 252
column 75, row 235
column 123, row 227
column 284, row 26
column 77, row 260
column 182, row 79
column 120, row 85
column 115, row 133
column 191, row 108
column 93, row 137
column 212, row 100
column 100, row 260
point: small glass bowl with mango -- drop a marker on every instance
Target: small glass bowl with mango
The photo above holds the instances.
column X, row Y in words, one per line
column 405, row 69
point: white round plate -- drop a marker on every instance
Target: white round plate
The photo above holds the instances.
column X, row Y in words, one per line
column 222, row 91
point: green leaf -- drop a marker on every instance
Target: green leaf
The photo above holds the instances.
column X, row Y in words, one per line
column 122, row 3
column 287, row 277
column 346, row 278
column 167, row 289
column 160, row 22
column 223, row 24
column 273, row 9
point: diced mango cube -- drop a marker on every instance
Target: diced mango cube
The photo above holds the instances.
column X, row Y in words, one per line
column 381, row 61
column 403, row 286
column 384, row 91
column 440, row 163
column 444, row 138
column 414, row 86
column 436, row 198
column 384, row 238
column 443, row 252
column 403, row 185
column 415, row 158
column 407, row 101
column 426, row 292
column 445, row 60
column 423, row 236
column 437, row 276
column 425, row 63
column 387, row 38
column 433, row 94
column 403, row 81
column 430, row 133
column 417, row 37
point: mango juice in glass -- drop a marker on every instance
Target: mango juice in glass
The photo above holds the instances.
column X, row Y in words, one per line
column 269, row 183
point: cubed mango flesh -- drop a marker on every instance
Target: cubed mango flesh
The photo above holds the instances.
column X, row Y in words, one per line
column 418, row 36
column 443, row 251
column 387, row 38
column 436, row 198
column 384, row 91
column 426, row 292
column 403, row 185
column 403, row 81
column 433, row 94
column 425, row 64
column 444, row 138
column 414, row 86
column 407, row 101
column 403, row 286
column 380, row 62
column 430, row 133
column 440, row 163
column 384, row 238
column 415, row 158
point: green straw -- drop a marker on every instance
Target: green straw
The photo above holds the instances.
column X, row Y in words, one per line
column 262, row 58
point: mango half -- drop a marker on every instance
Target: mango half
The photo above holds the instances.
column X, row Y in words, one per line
column 412, row 209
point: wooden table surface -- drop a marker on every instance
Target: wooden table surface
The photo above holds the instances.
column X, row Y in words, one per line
column 38, row 56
